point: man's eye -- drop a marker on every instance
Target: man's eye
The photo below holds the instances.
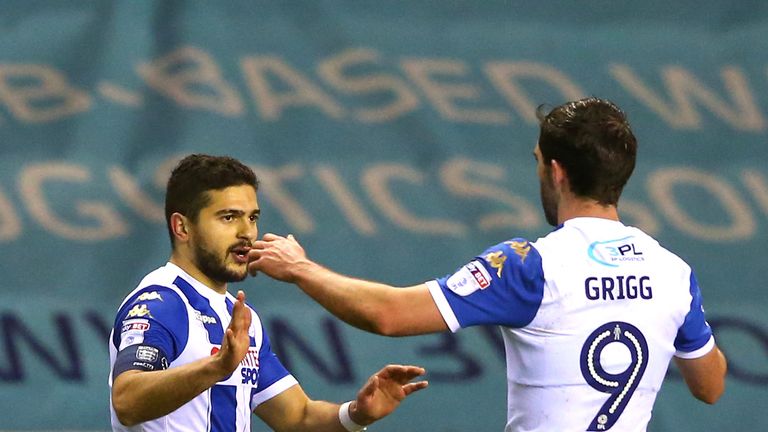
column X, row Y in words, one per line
column 254, row 218
column 227, row 218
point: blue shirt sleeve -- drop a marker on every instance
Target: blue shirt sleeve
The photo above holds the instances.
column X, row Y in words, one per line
column 155, row 316
column 270, row 368
column 695, row 331
column 502, row 286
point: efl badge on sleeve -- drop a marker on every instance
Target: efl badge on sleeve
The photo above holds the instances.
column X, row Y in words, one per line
column 469, row 279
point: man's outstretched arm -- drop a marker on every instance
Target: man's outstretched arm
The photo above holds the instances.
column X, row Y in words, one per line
column 292, row 410
column 371, row 306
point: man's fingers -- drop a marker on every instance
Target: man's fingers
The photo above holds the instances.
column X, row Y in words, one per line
column 258, row 245
column 253, row 257
column 228, row 340
column 411, row 372
column 371, row 386
column 241, row 316
column 268, row 237
column 401, row 374
column 237, row 310
column 414, row 387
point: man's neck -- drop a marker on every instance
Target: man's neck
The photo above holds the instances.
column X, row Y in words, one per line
column 188, row 266
column 586, row 208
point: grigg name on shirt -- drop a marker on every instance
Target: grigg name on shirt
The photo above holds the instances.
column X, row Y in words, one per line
column 618, row 287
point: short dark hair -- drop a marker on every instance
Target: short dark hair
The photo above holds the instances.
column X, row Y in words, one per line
column 196, row 175
column 592, row 140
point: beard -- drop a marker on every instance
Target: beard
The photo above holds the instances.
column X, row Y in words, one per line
column 548, row 201
column 214, row 266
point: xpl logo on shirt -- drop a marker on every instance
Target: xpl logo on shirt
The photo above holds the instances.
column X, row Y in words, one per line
column 611, row 253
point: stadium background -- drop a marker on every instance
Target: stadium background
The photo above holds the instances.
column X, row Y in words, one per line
column 394, row 140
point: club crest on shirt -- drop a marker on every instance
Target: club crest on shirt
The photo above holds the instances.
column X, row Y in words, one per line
column 469, row 279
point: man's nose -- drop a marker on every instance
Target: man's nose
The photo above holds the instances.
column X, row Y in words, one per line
column 248, row 232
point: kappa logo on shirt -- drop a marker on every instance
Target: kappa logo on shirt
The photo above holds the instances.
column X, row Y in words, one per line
column 139, row 310
column 154, row 295
column 470, row 278
column 205, row 319
column 521, row 248
column 496, row 260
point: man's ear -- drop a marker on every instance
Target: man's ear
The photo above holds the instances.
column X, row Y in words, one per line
column 180, row 226
column 559, row 176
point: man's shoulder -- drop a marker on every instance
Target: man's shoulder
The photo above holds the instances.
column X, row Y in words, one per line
column 664, row 255
column 155, row 291
column 161, row 276
column 608, row 243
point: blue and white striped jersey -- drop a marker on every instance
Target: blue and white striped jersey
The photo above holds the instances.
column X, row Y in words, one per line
column 591, row 315
column 170, row 320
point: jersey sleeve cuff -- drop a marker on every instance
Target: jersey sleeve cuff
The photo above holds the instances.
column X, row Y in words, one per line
column 443, row 306
column 275, row 389
column 699, row 352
